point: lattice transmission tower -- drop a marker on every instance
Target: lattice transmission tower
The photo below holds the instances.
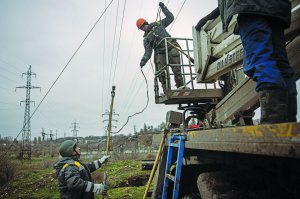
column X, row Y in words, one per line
column 25, row 149
column 75, row 129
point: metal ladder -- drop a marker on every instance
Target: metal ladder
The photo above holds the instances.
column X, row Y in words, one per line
column 176, row 141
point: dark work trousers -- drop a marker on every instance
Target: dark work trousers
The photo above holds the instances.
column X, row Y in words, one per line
column 265, row 56
column 161, row 61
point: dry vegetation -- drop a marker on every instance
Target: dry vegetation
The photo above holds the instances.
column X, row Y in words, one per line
column 36, row 179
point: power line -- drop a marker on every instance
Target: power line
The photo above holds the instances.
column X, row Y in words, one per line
column 139, row 111
column 119, row 42
column 17, row 70
column 8, row 78
column 133, row 83
column 85, row 38
column 137, row 91
column 5, row 68
column 177, row 15
column 133, row 96
column 8, row 104
column 148, row 71
column 103, row 55
column 113, row 50
column 134, row 77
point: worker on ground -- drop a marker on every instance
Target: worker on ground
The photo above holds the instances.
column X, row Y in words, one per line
column 154, row 39
column 74, row 177
column 261, row 25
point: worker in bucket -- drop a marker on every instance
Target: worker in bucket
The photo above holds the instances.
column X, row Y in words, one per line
column 154, row 40
column 74, row 177
column 261, row 25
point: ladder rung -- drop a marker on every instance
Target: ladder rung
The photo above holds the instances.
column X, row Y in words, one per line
column 174, row 145
column 170, row 177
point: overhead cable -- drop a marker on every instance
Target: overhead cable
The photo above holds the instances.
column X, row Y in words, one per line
column 139, row 111
column 113, row 52
column 135, row 94
column 59, row 76
column 134, row 77
column 177, row 15
column 119, row 43
column 103, row 60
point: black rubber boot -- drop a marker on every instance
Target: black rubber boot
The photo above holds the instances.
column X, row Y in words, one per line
column 273, row 104
column 292, row 108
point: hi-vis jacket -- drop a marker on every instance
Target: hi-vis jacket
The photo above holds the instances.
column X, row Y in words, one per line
column 153, row 38
column 74, row 178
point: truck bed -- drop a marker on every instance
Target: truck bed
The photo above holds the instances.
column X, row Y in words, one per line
column 280, row 140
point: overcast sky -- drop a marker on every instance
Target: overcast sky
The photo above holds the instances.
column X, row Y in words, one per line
column 45, row 34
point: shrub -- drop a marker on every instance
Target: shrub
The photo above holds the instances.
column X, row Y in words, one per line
column 7, row 170
column 48, row 163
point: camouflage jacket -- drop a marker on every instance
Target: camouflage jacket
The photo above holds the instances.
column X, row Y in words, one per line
column 153, row 38
column 74, row 178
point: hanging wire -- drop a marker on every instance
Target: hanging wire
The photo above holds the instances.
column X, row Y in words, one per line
column 135, row 94
column 152, row 67
column 139, row 111
column 64, row 68
column 136, row 73
column 157, row 16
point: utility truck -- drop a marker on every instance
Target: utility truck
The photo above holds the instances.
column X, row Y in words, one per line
column 229, row 155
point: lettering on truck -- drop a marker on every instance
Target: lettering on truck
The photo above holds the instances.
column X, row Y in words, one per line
column 230, row 58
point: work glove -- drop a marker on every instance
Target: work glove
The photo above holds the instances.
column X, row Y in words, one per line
column 142, row 63
column 100, row 188
column 104, row 159
column 161, row 4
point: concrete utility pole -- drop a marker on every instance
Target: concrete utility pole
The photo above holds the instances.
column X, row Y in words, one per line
column 75, row 130
column 110, row 119
column 25, row 150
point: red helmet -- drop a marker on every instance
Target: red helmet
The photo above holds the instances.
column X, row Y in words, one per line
column 140, row 22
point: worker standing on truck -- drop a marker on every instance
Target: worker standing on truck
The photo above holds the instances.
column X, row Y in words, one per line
column 154, row 39
column 261, row 25
column 74, row 177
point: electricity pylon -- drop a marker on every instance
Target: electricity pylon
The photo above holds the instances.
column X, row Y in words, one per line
column 75, row 130
column 25, row 150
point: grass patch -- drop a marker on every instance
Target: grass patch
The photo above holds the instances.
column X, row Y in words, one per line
column 35, row 180
column 120, row 171
column 127, row 192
